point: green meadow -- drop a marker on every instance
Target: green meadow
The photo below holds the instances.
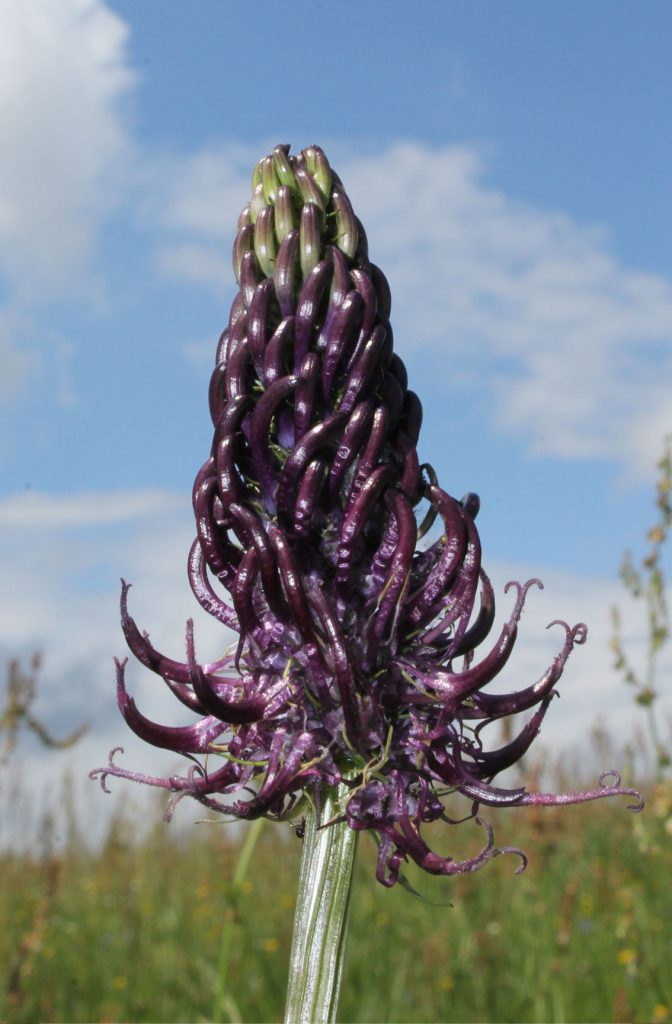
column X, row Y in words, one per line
column 161, row 929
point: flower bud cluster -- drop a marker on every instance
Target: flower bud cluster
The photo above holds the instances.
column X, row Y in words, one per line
column 356, row 654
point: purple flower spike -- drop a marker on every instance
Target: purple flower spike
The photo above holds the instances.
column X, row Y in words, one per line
column 357, row 659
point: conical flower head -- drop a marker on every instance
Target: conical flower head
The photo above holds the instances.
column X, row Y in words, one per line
column 356, row 654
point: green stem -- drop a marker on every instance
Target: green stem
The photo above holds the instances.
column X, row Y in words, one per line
column 321, row 917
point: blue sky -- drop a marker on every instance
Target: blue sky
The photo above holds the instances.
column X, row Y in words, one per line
column 510, row 162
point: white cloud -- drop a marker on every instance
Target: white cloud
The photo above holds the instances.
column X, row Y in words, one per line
column 574, row 347
column 63, row 76
column 66, row 152
column 562, row 344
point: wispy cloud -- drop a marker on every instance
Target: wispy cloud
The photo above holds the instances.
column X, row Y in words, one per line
column 565, row 346
column 192, row 202
column 198, row 263
column 15, row 364
column 200, row 353
column 198, row 193
column 590, row 690
column 33, row 509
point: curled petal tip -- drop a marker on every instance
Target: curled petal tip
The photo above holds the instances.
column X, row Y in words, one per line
column 519, row 853
column 522, row 588
column 101, row 774
column 610, row 781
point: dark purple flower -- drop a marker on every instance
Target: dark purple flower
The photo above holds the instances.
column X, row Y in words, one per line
column 356, row 657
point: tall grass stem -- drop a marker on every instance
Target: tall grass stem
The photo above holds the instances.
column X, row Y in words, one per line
column 222, row 999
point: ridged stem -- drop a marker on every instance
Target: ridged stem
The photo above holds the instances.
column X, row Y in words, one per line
column 321, row 917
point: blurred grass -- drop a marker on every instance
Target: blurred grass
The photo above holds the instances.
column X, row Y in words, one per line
column 133, row 932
